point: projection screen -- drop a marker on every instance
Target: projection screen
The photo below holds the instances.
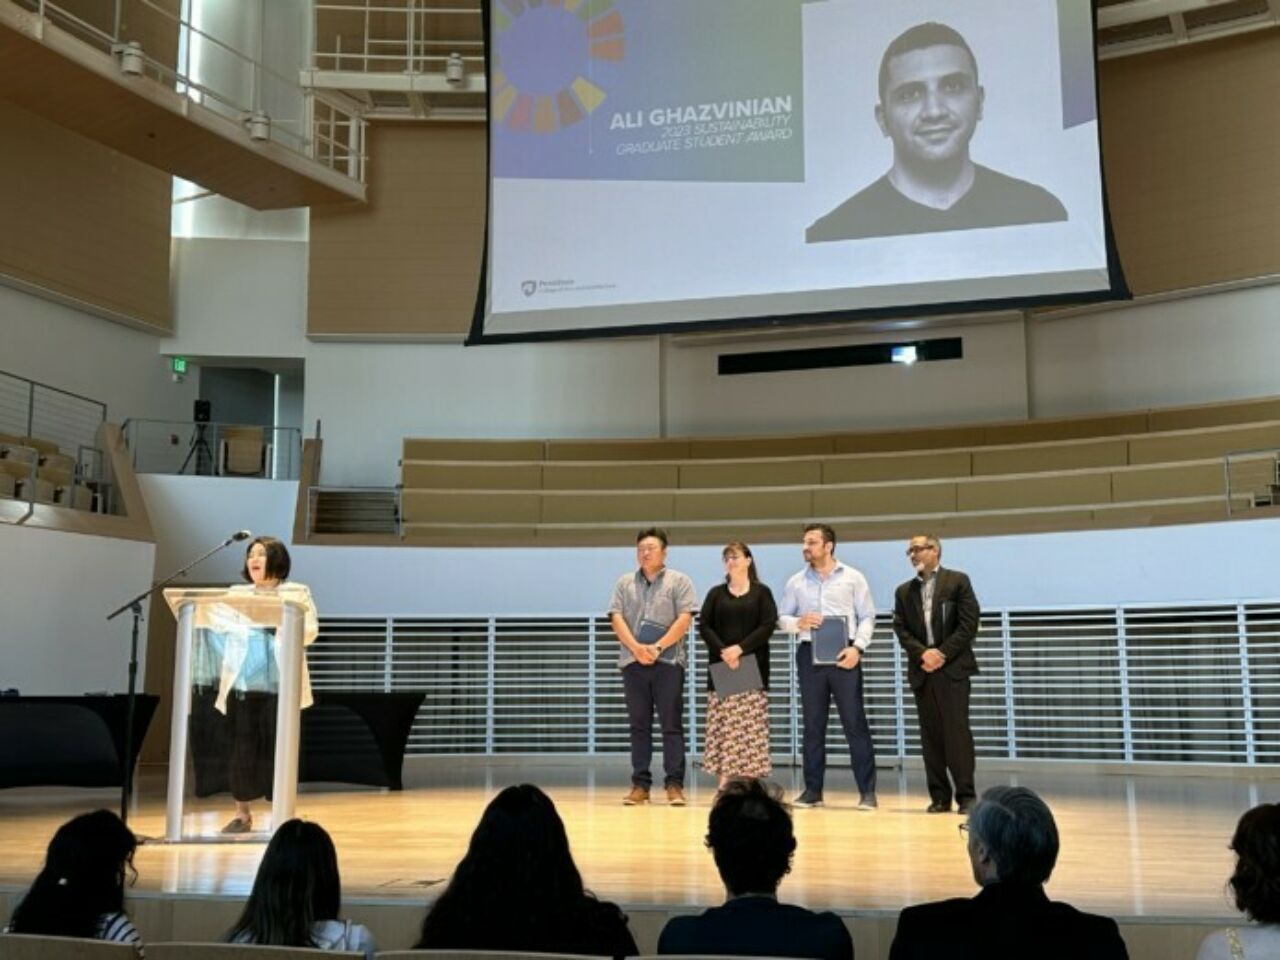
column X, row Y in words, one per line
column 660, row 165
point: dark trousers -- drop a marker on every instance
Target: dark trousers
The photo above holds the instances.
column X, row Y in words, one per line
column 945, row 738
column 251, row 718
column 818, row 684
column 660, row 686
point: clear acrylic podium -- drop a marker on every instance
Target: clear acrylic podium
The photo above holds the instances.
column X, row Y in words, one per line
column 210, row 623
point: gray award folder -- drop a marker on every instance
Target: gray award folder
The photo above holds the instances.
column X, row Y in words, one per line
column 829, row 638
column 651, row 632
column 743, row 680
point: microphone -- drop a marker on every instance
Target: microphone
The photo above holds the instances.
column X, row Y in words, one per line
column 239, row 535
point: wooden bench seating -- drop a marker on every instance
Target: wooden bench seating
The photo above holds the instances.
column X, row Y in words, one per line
column 1113, row 469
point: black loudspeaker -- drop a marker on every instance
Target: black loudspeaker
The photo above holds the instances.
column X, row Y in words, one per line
column 203, row 412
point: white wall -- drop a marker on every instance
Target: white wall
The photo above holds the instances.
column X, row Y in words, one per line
column 1225, row 346
column 1174, row 564
column 58, row 589
column 190, row 515
column 247, row 299
column 85, row 354
column 369, row 397
column 988, row 383
column 238, row 298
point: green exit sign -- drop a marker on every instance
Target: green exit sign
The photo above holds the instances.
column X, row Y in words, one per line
column 179, row 364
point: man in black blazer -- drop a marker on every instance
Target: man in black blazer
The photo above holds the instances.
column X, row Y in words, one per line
column 935, row 615
column 750, row 836
column 1013, row 846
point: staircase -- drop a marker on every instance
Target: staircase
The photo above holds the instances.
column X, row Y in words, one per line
column 361, row 510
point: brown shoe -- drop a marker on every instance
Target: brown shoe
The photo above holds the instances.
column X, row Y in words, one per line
column 637, row 796
column 675, row 795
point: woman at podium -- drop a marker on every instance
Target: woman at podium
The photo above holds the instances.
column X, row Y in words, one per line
column 249, row 680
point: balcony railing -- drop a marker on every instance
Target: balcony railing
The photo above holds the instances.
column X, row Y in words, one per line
column 182, row 447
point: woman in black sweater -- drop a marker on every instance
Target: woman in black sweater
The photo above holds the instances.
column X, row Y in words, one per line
column 738, row 618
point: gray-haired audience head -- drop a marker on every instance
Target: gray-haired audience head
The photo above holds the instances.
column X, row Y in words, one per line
column 1012, row 837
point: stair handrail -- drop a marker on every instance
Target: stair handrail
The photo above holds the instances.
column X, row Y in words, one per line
column 1273, row 452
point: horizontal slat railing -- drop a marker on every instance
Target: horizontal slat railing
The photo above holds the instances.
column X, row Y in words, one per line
column 1167, row 684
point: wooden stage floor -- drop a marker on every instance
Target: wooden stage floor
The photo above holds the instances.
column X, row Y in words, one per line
column 1139, row 847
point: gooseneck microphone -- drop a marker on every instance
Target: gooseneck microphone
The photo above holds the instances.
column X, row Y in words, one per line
column 240, row 535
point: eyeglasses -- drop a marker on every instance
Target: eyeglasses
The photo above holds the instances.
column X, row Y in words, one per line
column 963, row 828
column 648, row 548
column 732, row 556
column 912, row 551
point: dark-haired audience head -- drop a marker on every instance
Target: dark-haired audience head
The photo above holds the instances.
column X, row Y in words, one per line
column 297, row 885
column 1012, row 837
column 735, row 552
column 519, row 858
column 1256, row 880
column 88, row 863
column 750, row 836
column 266, row 561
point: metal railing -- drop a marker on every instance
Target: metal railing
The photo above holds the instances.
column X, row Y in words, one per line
column 1191, row 683
column 29, row 408
column 33, row 415
column 410, row 36
column 304, row 134
column 1252, row 473
column 203, row 449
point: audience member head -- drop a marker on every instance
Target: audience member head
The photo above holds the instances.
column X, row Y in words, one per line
column 1256, row 880
column 518, row 858
column 297, row 884
column 1012, row 837
column 750, row 836
column 89, row 860
column 266, row 561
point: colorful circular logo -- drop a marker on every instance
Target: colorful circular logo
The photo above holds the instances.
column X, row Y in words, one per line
column 542, row 49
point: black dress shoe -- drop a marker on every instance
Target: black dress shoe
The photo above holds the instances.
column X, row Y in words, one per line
column 965, row 808
column 936, row 807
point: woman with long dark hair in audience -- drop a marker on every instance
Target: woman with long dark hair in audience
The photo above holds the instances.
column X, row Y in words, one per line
column 80, row 891
column 1255, row 884
column 738, row 617
column 518, row 888
column 296, row 899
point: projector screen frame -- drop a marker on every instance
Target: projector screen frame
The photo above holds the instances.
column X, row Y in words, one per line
column 1117, row 291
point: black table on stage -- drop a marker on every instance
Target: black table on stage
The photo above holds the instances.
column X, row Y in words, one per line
column 72, row 741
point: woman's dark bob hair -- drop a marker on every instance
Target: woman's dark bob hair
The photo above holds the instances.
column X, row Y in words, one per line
column 278, row 565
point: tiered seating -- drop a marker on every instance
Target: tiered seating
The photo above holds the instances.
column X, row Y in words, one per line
column 35, row 469
column 1113, row 470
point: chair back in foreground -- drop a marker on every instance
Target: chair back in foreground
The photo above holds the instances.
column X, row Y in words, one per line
column 26, row 946
column 241, row 951
column 474, row 955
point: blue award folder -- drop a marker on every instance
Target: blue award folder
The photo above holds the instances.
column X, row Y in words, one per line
column 745, row 679
column 829, row 638
column 651, row 632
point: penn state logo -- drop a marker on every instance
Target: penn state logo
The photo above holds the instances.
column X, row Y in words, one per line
column 528, row 287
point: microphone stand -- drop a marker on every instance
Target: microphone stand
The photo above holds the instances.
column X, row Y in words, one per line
column 135, row 606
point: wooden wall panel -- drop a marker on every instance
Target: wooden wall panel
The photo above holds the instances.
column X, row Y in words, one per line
column 406, row 264
column 1191, row 147
column 83, row 221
